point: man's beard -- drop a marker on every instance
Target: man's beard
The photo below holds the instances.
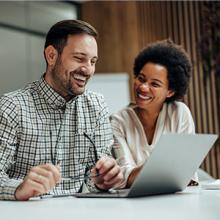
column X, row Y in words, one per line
column 66, row 85
column 79, row 89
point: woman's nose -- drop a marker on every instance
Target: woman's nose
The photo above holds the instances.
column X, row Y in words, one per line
column 145, row 86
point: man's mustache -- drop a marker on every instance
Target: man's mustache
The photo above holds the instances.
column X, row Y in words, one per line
column 80, row 72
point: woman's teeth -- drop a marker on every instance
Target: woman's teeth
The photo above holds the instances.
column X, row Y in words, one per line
column 144, row 97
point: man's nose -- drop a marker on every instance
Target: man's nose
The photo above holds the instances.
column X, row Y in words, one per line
column 88, row 64
column 86, row 69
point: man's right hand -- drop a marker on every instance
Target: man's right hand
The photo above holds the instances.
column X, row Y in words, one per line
column 40, row 180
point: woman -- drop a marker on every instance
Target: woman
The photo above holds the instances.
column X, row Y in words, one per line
column 162, row 72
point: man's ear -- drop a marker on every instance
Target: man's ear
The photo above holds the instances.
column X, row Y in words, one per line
column 170, row 93
column 51, row 55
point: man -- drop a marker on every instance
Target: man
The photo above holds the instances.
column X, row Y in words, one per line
column 53, row 132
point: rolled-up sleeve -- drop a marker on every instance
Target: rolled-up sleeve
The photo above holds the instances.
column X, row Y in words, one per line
column 8, row 141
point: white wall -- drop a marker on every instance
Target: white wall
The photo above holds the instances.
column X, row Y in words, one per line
column 21, row 47
column 114, row 87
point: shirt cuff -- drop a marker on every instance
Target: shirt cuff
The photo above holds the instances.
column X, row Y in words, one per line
column 91, row 186
column 9, row 188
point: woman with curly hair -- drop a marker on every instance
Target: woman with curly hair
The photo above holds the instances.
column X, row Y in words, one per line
column 162, row 72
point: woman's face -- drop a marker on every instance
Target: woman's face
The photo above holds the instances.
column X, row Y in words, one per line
column 151, row 86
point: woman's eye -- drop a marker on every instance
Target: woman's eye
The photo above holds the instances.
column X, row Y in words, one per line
column 155, row 85
column 140, row 78
column 93, row 62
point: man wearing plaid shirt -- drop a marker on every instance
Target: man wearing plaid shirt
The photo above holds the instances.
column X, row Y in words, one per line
column 53, row 133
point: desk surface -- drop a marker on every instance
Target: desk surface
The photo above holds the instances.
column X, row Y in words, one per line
column 193, row 203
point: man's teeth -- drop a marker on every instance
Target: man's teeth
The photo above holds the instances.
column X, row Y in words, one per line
column 79, row 77
column 144, row 97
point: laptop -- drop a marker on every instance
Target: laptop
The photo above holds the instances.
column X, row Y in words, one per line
column 169, row 169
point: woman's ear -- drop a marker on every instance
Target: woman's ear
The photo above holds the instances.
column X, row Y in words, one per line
column 51, row 55
column 170, row 93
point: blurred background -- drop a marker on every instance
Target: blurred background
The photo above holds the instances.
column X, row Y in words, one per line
column 124, row 27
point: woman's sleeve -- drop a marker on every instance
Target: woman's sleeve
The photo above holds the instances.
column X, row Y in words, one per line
column 121, row 150
column 185, row 119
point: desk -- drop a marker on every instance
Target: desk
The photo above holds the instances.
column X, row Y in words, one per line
column 193, row 203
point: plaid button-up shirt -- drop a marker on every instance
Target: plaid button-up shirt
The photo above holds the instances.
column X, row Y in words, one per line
column 38, row 126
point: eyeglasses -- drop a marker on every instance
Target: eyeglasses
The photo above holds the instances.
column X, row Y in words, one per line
column 87, row 176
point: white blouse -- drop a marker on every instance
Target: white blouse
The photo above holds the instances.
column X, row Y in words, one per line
column 131, row 147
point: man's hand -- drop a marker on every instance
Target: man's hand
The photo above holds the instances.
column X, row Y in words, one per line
column 110, row 174
column 38, row 181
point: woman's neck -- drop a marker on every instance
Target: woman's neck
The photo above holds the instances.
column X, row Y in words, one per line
column 148, row 119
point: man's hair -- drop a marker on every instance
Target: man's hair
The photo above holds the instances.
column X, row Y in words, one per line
column 176, row 61
column 58, row 34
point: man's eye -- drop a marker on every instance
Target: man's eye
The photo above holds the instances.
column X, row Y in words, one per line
column 78, row 58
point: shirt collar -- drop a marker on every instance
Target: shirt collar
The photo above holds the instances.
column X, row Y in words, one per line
column 51, row 96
